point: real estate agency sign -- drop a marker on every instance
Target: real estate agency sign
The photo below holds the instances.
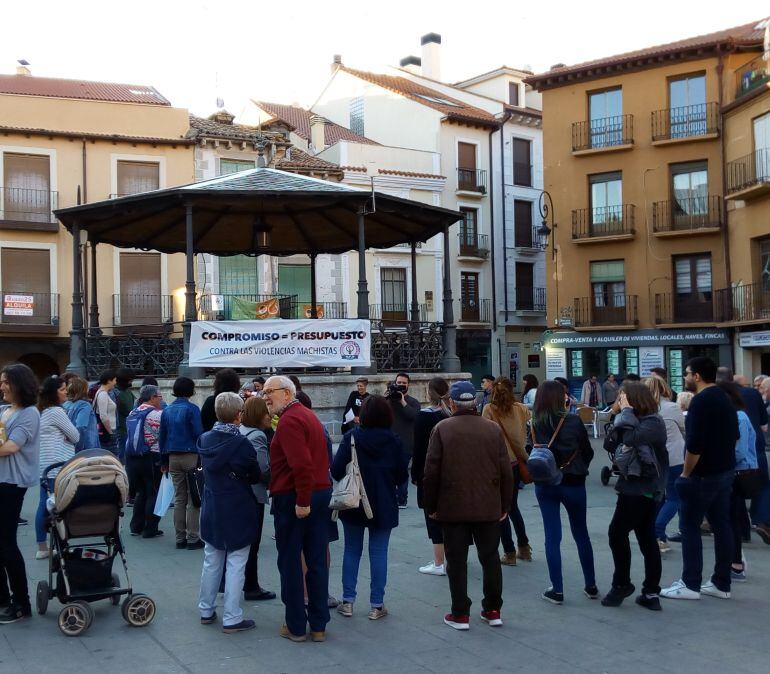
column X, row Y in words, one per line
column 18, row 305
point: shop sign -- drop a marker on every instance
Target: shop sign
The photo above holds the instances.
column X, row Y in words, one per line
column 555, row 363
column 748, row 340
column 582, row 340
column 650, row 357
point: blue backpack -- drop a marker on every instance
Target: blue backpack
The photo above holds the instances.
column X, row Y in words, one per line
column 542, row 465
column 136, row 445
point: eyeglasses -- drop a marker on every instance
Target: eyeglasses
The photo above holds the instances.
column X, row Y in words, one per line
column 270, row 391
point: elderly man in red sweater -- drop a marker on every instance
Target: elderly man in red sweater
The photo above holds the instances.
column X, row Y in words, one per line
column 300, row 488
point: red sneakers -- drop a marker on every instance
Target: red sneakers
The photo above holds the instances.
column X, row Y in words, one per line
column 458, row 622
column 492, row 617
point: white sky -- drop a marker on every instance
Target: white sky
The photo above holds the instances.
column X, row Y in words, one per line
column 193, row 51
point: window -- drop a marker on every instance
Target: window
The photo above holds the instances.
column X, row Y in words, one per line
column 469, row 227
column 522, row 222
column 525, row 291
column 608, row 292
column 606, row 199
column 466, row 166
column 692, row 288
column 26, row 194
column 689, row 194
column 393, row 293
column 140, row 301
column 605, row 110
column 762, row 146
column 522, row 162
column 26, row 286
column 228, row 166
column 357, row 115
column 687, row 103
column 513, row 93
column 137, row 176
column 469, row 296
column 238, row 275
column 764, row 264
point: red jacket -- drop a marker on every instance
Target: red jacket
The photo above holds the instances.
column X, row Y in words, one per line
column 299, row 461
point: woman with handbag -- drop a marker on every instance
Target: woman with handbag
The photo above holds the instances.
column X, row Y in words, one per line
column 106, row 411
column 379, row 455
column 512, row 418
column 566, row 436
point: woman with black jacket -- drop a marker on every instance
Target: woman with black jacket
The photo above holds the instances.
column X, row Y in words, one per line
column 568, row 439
column 638, row 439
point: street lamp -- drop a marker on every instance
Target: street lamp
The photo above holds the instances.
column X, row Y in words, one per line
column 545, row 206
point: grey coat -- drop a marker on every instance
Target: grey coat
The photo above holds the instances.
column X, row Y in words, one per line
column 258, row 440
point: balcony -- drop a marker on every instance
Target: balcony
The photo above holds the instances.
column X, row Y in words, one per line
column 25, row 311
column 130, row 309
column 530, row 299
column 690, row 122
column 472, row 182
column 607, row 134
column 21, row 208
column 522, row 174
column 743, row 304
column 323, row 310
column 474, row 310
column 620, row 311
column 473, row 245
column 751, row 76
column 396, row 313
column 695, row 215
column 671, row 311
column 528, row 241
column 606, row 223
column 749, row 177
column 247, row 307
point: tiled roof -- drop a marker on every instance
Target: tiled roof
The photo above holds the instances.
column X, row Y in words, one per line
column 532, row 112
column 451, row 107
column 28, row 85
column 267, row 179
column 409, row 174
column 747, row 34
column 91, row 135
column 302, row 160
column 209, row 128
column 299, row 118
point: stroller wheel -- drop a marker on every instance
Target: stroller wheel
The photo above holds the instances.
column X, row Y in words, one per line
column 605, row 476
column 41, row 597
column 115, row 599
column 75, row 618
column 138, row 610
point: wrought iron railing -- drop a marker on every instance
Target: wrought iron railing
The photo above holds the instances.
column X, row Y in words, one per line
column 528, row 237
column 415, row 347
column 23, row 205
column 748, row 171
column 669, row 309
column 522, row 174
column 603, row 221
column 616, row 309
column 743, row 303
column 687, row 214
column 685, row 122
column 474, row 310
column 22, row 307
column 530, row 299
column 605, row 132
column 472, row 180
column 473, row 244
column 753, row 74
column 396, row 313
column 130, row 309
column 233, row 307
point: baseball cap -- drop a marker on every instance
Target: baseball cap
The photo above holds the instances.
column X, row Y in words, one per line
column 462, row 391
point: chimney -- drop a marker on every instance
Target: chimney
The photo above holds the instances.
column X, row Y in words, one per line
column 223, row 117
column 431, row 55
column 336, row 63
column 22, row 68
column 318, row 133
column 412, row 64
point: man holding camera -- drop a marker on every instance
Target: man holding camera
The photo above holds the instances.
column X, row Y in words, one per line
column 405, row 409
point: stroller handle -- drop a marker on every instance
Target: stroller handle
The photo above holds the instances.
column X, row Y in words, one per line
column 48, row 469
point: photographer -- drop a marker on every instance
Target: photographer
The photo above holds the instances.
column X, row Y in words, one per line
column 405, row 409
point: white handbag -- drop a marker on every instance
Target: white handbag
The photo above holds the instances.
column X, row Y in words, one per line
column 349, row 493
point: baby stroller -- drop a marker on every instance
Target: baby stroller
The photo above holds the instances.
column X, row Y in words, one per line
column 89, row 493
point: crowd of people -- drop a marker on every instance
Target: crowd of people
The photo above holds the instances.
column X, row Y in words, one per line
column 698, row 458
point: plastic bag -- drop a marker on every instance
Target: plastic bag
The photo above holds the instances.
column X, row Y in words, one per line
column 165, row 495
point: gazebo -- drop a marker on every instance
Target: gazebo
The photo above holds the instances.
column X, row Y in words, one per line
column 260, row 211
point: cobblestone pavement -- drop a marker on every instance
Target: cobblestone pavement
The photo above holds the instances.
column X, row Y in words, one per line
column 581, row 635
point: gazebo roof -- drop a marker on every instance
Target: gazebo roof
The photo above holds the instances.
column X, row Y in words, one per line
column 302, row 215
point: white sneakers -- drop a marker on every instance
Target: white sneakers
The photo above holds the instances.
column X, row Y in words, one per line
column 41, row 554
column 713, row 591
column 433, row 570
column 679, row 590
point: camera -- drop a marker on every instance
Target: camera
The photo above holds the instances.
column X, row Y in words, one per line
column 394, row 391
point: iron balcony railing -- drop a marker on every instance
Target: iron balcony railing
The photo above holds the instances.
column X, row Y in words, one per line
column 472, row 180
column 22, row 205
column 669, row 308
column 743, row 303
column 751, row 75
column 131, row 309
column 617, row 220
column 748, row 171
column 687, row 214
column 606, row 132
column 685, row 122
column 528, row 237
column 473, row 244
column 231, row 307
column 522, row 174
column 530, row 299
column 23, row 307
column 615, row 309
column 474, row 310
column 396, row 313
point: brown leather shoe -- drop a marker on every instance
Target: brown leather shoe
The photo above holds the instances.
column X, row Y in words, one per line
column 297, row 638
column 524, row 553
column 508, row 559
column 318, row 637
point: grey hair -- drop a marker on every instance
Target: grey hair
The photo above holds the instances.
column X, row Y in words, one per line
column 465, row 404
column 227, row 405
column 148, row 391
column 286, row 383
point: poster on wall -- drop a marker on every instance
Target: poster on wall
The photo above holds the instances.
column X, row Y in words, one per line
column 555, row 363
column 650, row 357
column 19, row 305
column 281, row 343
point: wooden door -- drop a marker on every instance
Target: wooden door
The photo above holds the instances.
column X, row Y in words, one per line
column 525, row 281
column 140, row 300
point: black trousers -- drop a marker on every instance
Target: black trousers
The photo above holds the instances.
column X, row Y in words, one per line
column 637, row 514
column 251, row 581
column 515, row 518
column 458, row 537
column 141, row 472
column 11, row 559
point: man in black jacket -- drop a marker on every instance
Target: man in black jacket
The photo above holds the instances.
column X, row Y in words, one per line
column 355, row 400
column 405, row 409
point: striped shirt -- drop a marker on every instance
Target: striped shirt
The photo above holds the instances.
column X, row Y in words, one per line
column 57, row 438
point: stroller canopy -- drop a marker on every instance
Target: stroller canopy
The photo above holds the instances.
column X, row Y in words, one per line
column 89, row 468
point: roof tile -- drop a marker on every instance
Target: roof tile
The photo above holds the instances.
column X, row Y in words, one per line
column 299, row 118
column 28, row 85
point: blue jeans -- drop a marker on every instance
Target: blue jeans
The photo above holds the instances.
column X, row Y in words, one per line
column 709, row 496
column 550, row 499
column 378, row 562
column 40, row 531
column 760, row 505
column 233, row 565
column 670, row 506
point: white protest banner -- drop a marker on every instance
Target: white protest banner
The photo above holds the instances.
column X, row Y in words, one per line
column 281, row 343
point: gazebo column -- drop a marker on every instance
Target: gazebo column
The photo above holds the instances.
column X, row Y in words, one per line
column 415, row 308
column 77, row 333
column 190, row 308
column 451, row 363
column 313, row 290
column 93, row 314
column 363, row 288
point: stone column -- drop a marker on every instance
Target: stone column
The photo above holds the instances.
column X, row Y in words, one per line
column 77, row 333
column 451, row 363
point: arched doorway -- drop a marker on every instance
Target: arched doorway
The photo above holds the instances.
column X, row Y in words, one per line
column 42, row 365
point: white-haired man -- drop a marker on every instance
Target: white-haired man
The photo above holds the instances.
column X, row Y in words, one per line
column 300, row 488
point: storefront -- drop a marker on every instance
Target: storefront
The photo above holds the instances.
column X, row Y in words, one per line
column 752, row 352
column 580, row 355
column 474, row 352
